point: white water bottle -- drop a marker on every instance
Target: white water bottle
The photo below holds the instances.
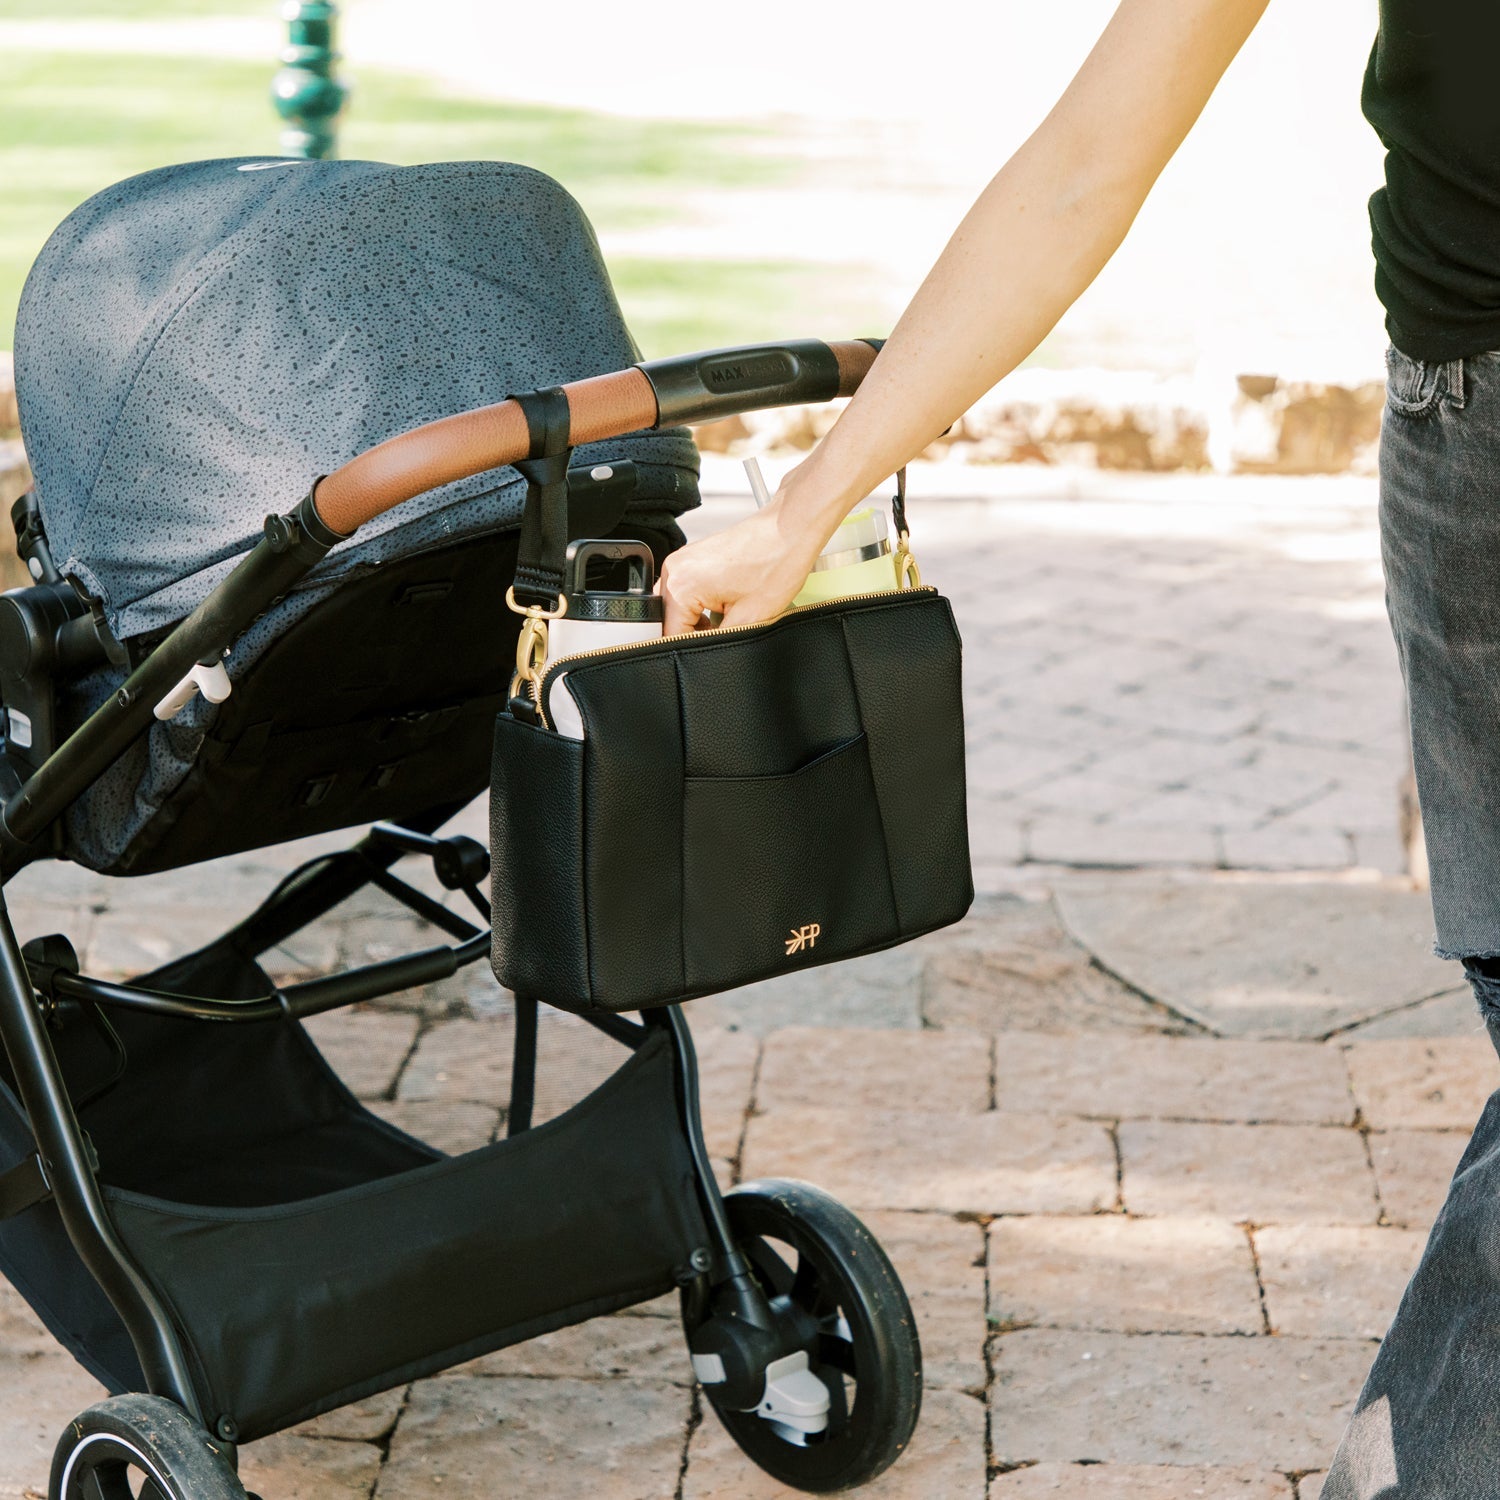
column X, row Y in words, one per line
column 608, row 586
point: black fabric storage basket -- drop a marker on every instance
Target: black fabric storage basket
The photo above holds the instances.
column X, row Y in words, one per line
column 295, row 1309
column 743, row 804
column 310, row 1254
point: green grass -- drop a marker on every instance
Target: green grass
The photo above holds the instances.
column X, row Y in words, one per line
column 130, row 10
column 72, row 124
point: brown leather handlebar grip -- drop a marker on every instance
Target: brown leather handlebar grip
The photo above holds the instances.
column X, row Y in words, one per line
column 453, row 448
column 855, row 358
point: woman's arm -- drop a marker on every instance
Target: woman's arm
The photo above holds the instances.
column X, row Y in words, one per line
column 1037, row 236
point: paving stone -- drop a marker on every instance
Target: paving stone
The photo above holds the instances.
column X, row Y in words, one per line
column 366, row 1421
column 460, row 1060
column 56, row 882
column 452, row 1127
column 22, row 1334
column 643, row 1348
column 945, row 1459
column 1289, row 847
column 1266, row 1174
column 123, row 943
column 476, row 1438
column 1335, row 1282
column 996, row 837
column 393, row 933
column 1136, row 1482
column 806, row 1065
column 941, row 1264
column 1011, row 966
column 880, row 991
column 1129, row 1275
column 1164, row 1077
column 1122, row 1398
column 1272, row 958
column 1412, row 1171
column 39, row 917
column 366, row 1048
column 43, row 1394
column 1382, row 850
column 727, row 1062
column 991, row 1163
column 1191, row 808
column 1064, row 840
column 1431, row 1083
column 309, row 953
column 470, row 1061
column 291, row 1467
column 1452, row 1014
column 1004, row 765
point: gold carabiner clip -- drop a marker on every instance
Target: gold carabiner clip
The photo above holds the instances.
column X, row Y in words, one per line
column 531, row 647
column 908, row 574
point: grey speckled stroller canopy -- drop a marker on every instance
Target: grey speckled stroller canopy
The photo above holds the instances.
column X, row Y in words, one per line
column 197, row 345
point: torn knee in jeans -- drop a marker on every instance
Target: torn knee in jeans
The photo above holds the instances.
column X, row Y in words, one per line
column 1484, row 978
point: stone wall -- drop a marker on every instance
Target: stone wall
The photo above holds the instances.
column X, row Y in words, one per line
column 1121, row 421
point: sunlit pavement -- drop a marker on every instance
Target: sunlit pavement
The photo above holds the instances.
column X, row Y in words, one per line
column 1153, row 1136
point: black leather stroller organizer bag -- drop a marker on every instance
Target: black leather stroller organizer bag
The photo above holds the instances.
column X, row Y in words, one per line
column 743, row 802
column 742, row 805
column 309, row 1253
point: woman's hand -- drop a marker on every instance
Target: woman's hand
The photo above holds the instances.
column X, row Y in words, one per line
column 748, row 573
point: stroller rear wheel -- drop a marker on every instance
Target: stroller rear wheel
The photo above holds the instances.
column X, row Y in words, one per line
column 819, row 1265
column 140, row 1448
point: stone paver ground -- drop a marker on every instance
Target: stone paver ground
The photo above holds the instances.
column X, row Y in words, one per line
column 1151, row 1244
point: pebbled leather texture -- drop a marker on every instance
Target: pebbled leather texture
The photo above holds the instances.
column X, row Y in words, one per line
column 540, row 945
column 742, row 805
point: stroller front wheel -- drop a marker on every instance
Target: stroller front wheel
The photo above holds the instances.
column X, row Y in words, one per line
column 140, row 1446
column 822, row 1269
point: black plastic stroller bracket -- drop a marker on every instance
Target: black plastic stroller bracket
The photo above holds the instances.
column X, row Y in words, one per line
column 26, row 1184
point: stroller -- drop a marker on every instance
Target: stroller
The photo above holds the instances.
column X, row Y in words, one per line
column 190, row 1199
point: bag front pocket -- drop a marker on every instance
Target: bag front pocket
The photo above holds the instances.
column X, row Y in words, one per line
column 780, row 872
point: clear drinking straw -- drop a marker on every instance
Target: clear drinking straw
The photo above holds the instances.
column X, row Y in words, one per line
column 757, row 483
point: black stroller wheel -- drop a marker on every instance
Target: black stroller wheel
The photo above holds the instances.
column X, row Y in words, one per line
column 140, row 1448
column 807, row 1248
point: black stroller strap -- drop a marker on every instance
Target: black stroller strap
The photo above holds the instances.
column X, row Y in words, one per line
column 544, row 525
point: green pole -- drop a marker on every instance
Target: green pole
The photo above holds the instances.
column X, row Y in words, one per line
column 305, row 92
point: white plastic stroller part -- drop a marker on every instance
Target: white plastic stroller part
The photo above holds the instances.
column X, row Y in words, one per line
column 796, row 1401
column 212, row 681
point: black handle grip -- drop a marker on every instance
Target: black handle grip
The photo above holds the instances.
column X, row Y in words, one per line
column 724, row 382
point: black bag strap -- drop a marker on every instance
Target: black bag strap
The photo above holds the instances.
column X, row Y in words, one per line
column 898, row 503
column 544, row 524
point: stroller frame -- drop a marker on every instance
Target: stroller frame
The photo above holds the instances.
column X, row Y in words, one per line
column 739, row 1319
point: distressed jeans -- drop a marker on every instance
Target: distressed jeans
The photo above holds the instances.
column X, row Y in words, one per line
column 1427, row 1424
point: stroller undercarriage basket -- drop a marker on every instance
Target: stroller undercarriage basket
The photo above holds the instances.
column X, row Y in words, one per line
column 190, row 1198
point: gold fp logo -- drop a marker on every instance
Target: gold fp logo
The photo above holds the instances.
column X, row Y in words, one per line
column 803, row 937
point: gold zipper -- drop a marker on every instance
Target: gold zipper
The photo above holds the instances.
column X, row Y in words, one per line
column 539, row 684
